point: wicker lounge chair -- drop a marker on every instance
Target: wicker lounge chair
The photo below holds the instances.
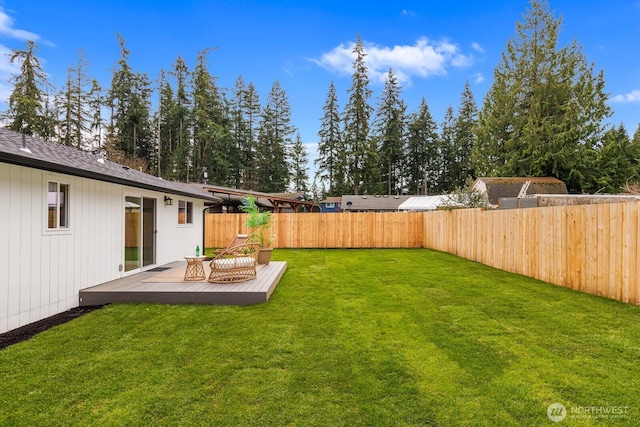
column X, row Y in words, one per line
column 240, row 239
column 235, row 264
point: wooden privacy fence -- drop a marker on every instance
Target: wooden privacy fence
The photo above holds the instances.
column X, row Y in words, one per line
column 132, row 229
column 326, row 230
column 591, row 248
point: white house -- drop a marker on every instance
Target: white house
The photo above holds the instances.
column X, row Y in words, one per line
column 72, row 221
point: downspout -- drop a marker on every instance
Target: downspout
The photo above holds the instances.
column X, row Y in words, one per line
column 204, row 223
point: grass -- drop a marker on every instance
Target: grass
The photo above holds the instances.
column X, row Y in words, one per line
column 349, row 338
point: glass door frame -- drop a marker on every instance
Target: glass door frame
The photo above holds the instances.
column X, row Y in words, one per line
column 140, row 220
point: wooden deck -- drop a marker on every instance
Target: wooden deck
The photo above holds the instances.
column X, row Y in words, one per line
column 167, row 287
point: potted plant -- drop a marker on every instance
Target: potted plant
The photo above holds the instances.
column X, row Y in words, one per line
column 258, row 222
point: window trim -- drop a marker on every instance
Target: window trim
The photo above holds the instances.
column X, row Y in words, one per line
column 188, row 213
column 330, row 205
column 65, row 206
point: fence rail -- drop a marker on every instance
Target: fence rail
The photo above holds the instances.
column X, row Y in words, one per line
column 326, row 230
column 591, row 248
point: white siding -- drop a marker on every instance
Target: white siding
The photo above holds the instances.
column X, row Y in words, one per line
column 41, row 273
column 176, row 241
column 5, row 215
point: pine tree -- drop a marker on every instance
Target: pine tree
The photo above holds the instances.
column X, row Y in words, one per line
column 317, row 192
column 75, row 108
column 95, row 103
column 390, row 129
column 238, row 129
column 28, row 111
column 165, row 128
column 422, row 165
column 359, row 148
column 617, row 161
column 446, row 153
column 213, row 145
column 461, row 167
column 544, row 113
column 129, row 100
column 182, row 153
column 299, row 160
column 252, row 114
column 331, row 161
column 274, row 140
column 245, row 118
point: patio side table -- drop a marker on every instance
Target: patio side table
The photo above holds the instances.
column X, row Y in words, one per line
column 195, row 269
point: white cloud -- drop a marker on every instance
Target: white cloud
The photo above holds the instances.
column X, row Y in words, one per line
column 8, row 69
column 406, row 12
column 477, row 47
column 633, row 96
column 7, row 29
column 478, row 78
column 424, row 59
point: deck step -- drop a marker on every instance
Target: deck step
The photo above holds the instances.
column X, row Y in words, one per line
column 168, row 288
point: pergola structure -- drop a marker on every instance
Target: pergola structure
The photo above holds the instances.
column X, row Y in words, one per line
column 278, row 202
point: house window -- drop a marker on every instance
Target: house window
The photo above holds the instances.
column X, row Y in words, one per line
column 185, row 212
column 57, row 205
column 330, row 205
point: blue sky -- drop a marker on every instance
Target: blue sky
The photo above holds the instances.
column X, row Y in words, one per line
column 434, row 47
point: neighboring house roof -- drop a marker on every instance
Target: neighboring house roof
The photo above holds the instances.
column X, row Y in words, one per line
column 497, row 188
column 332, row 200
column 372, row 203
column 423, row 203
column 292, row 196
column 22, row 150
column 235, row 196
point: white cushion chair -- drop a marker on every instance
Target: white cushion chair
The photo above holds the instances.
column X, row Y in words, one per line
column 235, row 264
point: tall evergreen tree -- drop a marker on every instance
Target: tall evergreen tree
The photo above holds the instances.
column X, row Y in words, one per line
column 213, row 145
column 165, row 128
column 245, row 119
column 182, row 153
column 238, row 129
column 317, row 192
column 274, row 142
column 544, row 113
column 422, row 165
column 129, row 100
column 617, row 162
column 461, row 167
column 390, row 129
column 331, row 162
column 252, row 114
column 28, row 110
column 95, row 103
column 75, row 108
column 359, row 147
column 446, row 152
column 299, row 160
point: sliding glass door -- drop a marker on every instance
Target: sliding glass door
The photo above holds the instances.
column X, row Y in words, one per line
column 139, row 232
column 148, row 231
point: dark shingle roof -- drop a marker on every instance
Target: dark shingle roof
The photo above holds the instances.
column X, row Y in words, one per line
column 54, row 157
column 511, row 186
column 332, row 199
column 372, row 203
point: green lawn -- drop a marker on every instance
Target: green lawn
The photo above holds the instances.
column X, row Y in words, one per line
column 349, row 338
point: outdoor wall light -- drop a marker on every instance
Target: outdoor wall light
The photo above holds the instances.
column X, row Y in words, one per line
column 168, row 201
